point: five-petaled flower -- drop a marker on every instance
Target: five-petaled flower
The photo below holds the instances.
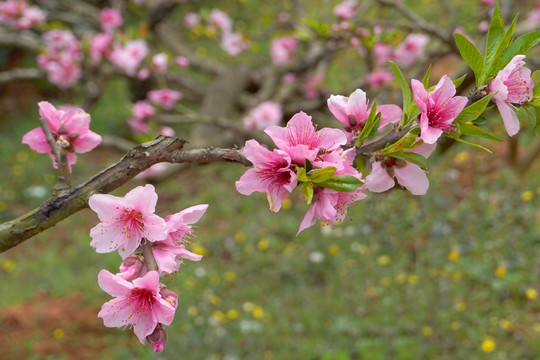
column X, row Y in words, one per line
column 125, row 221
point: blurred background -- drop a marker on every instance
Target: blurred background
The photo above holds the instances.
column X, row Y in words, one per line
column 453, row 274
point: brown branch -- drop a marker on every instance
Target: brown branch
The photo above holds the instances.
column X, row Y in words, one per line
column 21, row 74
column 55, row 209
column 60, row 157
column 148, row 255
column 392, row 137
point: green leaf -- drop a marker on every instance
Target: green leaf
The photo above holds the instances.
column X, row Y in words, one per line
column 472, row 144
column 323, row 174
column 307, row 191
column 537, row 127
column 405, row 143
column 460, row 79
column 301, row 174
column 492, row 70
column 343, row 183
column 405, row 88
column 519, row 46
column 412, row 158
column 472, row 57
column 425, row 81
column 473, row 111
column 371, row 126
column 532, row 115
column 536, row 79
column 494, row 37
column 468, row 129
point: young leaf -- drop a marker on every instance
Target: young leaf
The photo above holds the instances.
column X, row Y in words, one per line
column 404, row 143
column 532, row 115
column 536, row 79
column 519, row 46
column 343, row 183
column 472, row 57
column 301, row 174
column 460, row 79
column 494, row 37
column 307, row 191
column 473, row 111
column 491, row 70
column 371, row 126
column 468, row 129
column 323, row 174
column 425, row 81
column 405, row 88
column 308, row 166
column 412, row 158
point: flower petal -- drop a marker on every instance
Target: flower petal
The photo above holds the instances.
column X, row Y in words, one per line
column 379, row 180
column 413, row 178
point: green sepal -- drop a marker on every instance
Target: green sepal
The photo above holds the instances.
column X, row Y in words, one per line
column 321, row 175
column 343, row 183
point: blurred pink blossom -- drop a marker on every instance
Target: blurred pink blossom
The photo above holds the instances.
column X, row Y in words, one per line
column 411, row 49
column 129, row 56
column 160, row 62
column 263, row 115
column 221, row 20
column 110, row 19
column 378, row 78
column 166, row 98
column 283, row 50
column 346, row 9
column 191, row 20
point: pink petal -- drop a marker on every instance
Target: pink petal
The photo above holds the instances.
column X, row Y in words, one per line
column 163, row 311
column 337, row 104
column 106, row 206
column 425, row 149
column 420, row 95
column 413, row 178
column 77, row 121
column 389, row 114
column 186, row 254
column 379, row 180
column 192, row 214
column 116, row 312
column 357, row 105
column 430, row 134
column 142, row 198
column 331, row 139
column 155, row 228
column 150, row 281
column 166, row 261
column 309, row 219
column 444, row 89
column 107, row 236
column 36, row 140
column 113, row 285
column 249, row 183
column 49, row 113
column 87, row 142
column 144, row 326
column 510, row 118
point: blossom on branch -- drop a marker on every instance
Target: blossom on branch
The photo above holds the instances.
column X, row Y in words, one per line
column 125, row 221
column 263, row 115
column 70, row 129
column 512, row 85
column 439, row 108
column 166, row 98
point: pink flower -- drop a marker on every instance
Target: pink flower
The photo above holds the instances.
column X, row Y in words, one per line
column 142, row 110
column 158, row 339
column 411, row 49
column 21, row 16
column 159, row 61
column 331, row 206
column 166, row 98
column 354, row 111
column 166, row 131
column 263, row 115
column 346, row 9
column 234, row 43
column 438, row 108
column 110, row 19
column 138, row 126
column 384, row 53
column 283, row 50
column 61, row 58
column 181, row 61
column 169, row 253
column 125, row 221
column 191, row 20
column 100, row 45
column 489, row 2
column 129, row 56
column 408, row 175
column 131, row 268
column 378, row 78
column 221, row 20
column 314, row 86
column 138, row 304
column 301, row 141
column 271, row 174
column 70, row 129
column 512, row 85
column 483, row 26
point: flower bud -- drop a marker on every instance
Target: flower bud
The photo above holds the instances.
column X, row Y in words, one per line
column 169, row 296
column 130, row 268
column 157, row 339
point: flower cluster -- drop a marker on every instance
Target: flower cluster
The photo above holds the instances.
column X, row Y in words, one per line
column 232, row 42
column 20, row 15
column 61, row 59
column 128, row 225
column 142, row 111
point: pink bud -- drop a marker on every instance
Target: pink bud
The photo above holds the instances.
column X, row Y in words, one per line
column 157, row 339
column 169, row 296
column 131, row 268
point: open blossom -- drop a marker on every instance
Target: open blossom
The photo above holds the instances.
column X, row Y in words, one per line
column 378, row 78
column 61, row 59
column 100, row 46
column 331, row 206
column 354, row 111
column 439, row 108
column 300, row 140
column 410, row 49
column 512, row 85
column 271, row 174
column 234, row 43
column 160, row 62
column 20, row 15
column 70, row 129
column 110, row 19
column 191, row 20
column 169, row 253
column 383, row 53
column 139, row 304
column 141, row 111
column 283, row 49
column 346, row 9
column 125, row 221
column 408, row 175
column 263, row 115
column 166, row 98
column 221, row 20
column 129, row 56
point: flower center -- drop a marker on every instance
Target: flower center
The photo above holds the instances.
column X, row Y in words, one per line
column 132, row 219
